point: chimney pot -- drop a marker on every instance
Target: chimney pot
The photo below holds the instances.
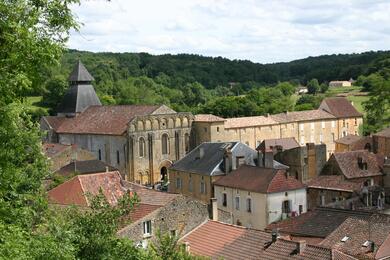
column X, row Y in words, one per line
column 107, row 169
column 301, row 246
column 214, row 209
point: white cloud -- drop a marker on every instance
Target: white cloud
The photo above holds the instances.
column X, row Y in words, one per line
column 262, row 31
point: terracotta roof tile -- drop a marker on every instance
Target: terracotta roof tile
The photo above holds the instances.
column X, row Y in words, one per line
column 384, row 249
column 218, row 240
column 142, row 210
column 333, row 182
column 319, row 222
column 340, row 107
column 76, row 191
column 109, row 120
column 349, row 139
column 53, row 149
column 208, row 118
column 150, row 196
column 376, row 229
column 287, row 117
column 286, row 143
column 55, row 121
column 249, row 121
column 385, row 132
column 257, row 179
column 348, row 164
column 84, row 167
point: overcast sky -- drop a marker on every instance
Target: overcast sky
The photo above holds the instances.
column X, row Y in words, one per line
column 258, row 30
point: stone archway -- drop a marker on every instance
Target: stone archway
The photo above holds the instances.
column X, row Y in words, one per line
column 164, row 170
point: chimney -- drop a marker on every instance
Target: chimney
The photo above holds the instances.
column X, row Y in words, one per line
column 227, row 160
column 107, row 169
column 201, row 152
column 214, row 209
column 187, row 246
column 301, row 247
column 268, row 159
column 274, row 235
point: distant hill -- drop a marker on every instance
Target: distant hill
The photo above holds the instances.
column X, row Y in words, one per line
column 211, row 72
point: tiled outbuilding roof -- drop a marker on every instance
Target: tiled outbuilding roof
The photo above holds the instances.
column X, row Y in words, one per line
column 340, row 107
column 285, row 143
column 85, row 167
column 257, row 179
column 333, row 182
column 319, row 222
column 150, row 196
column 349, row 139
column 218, row 240
column 250, row 121
column 55, row 121
column 108, row 120
column 306, row 115
column 385, row 132
column 375, row 229
column 77, row 190
column 142, row 210
column 348, row 164
column 208, row 118
column 53, row 149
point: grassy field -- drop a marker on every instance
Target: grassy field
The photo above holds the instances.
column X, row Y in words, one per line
column 357, row 102
column 34, row 103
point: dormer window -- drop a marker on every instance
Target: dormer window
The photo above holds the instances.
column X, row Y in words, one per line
column 345, row 238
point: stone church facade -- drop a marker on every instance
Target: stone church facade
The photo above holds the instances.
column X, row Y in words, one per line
column 141, row 141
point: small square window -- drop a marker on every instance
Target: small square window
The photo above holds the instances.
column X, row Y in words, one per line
column 147, row 228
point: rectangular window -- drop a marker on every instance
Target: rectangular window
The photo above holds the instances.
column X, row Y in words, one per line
column 321, row 138
column 100, row 155
column 217, row 128
column 323, row 124
column 249, row 205
column 301, row 127
column 237, row 203
column 224, row 199
column 312, row 126
column 190, row 184
column 333, row 137
column 178, row 183
column 202, row 187
column 343, row 122
column 333, row 124
column 355, row 121
column 300, row 209
column 117, row 157
column 205, row 129
column 286, row 206
column 147, row 228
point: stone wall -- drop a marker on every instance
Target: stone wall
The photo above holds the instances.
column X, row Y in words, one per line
column 181, row 216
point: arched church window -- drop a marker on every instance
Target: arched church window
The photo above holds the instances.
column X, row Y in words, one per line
column 186, row 142
column 165, row 144
column 141, row 150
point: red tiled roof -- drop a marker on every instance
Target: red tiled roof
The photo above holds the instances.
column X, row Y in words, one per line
column 384, row 249
column 208, row 118
column 349, row 139
column 385, row 132
column 348, row 164
column 77, row 190
column 55, row 121
column 150, row 196
column 337, row 255
column 218, row 240
column 340, row 107
column 249, row 121
column 53, row 149
column 286, row 143
column 376, row 229
column 141, row 210
column 333, row 182
column 257, row 179
column 109, row 120
column 306, row 115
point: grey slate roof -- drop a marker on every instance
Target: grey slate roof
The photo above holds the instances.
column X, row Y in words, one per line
column 210, row 163
column 81, row 94
column 80, row 73
column 85, row 167
column 78, row 98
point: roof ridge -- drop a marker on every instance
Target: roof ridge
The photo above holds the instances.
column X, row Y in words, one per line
column 83, row 189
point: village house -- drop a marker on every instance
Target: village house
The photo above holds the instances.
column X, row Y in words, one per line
column 335, row 118
column 60, row 155
column 381, row 142
column 304, row 162
column 141, row 141
column 315, row 225
column 218, row 240
column 348, row 174
column 156, row 211
column 353, row 143
column 361, row 237
column 256, row 196
column 162, row 212
column 340, row 83
column 195, row 174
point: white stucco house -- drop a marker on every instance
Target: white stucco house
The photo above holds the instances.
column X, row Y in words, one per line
column 255, row 196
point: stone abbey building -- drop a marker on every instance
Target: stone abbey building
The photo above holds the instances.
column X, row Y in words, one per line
column 143, row 141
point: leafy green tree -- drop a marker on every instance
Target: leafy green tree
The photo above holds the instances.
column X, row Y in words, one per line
column 324, row 87
column 313, row 86
column 55, row 89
